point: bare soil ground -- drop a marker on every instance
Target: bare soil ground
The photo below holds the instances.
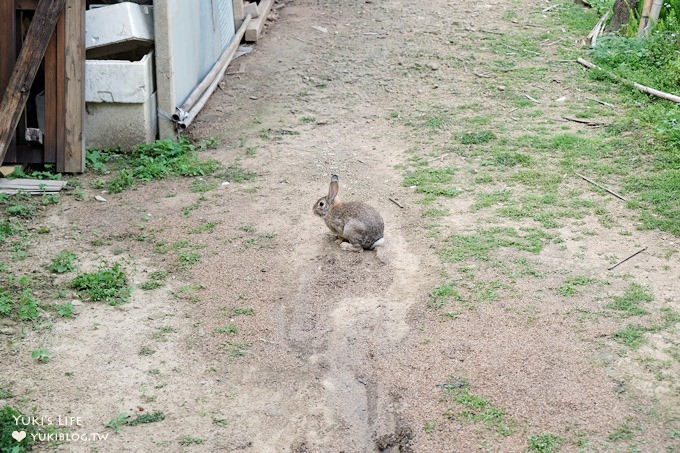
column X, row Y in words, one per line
column 334, row 351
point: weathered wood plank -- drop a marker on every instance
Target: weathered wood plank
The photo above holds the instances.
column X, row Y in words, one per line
column 60, row 109
column 74, row 89
column 34, row 186
column 8, row 54
column 50, row 120
column 28, row 62
column 255, row 26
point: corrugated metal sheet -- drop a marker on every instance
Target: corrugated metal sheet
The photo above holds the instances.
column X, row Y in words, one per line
column 201, row 30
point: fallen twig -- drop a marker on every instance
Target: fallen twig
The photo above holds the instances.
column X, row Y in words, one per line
column 482, row 75
column 602, row 102
column 532, row 99
column 548, row 8
column 586, row 122
column 643, row 88
column 627, row 258
column 395, row 202
column 601, row 187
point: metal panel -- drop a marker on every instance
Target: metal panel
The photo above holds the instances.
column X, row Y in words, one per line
column 201, row 30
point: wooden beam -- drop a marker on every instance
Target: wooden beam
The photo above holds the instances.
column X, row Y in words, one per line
column 255, row 26
column 74, row 88
column 29, row 5
column 8, row 53
column 51, row 90
column 30, row 57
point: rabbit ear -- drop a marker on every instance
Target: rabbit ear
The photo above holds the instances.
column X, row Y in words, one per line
column 333, row 189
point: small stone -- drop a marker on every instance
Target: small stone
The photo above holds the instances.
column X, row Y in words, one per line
column 500, row 87
column 76, row 302
column 99, row 198
column 434, row 66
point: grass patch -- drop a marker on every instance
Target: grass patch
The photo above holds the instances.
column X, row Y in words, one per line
column 485, row 200
column 230, row 329
column 156, row 280
column 477, row 138
column 570, row 286
column 108, row 284
column 236, row 173
column 632, row 335
column 509, row 159
column 191, row 440
column 480, row 245
column 205, row 227
column 629, row 304
column 441, row 294
column 475, row 408
column 431, row 181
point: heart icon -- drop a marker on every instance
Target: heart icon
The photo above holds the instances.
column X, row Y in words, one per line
column 19, row 435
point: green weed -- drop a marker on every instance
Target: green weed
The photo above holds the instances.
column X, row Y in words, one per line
column 441, row 294
column 63, row 262
column 159, row 160
column 544, row 443
column 190, row 440
column 8, row 417
column 41, row 355
column 107, row 284
column 570, row 285
column 66, row 309
column 230, row 329
column 475, row 408
column 632, row 335
column 236, row 173
column 477, row 138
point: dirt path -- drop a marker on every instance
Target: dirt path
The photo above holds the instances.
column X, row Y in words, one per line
column 274, row 339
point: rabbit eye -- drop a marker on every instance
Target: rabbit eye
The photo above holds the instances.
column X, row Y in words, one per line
column 321, row 203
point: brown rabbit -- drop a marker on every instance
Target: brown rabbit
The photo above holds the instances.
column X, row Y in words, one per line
column 357, row 225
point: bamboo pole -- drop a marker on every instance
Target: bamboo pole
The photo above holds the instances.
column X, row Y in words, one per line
column 644, row 18
column 643, row 88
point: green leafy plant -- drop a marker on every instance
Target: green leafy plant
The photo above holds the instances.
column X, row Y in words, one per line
column 41, row 355
column 66, row 309
column 8, row 425
column 159, row 160
column 231, row 329
column 544, row 443
column 108, row 284
column 63, row 262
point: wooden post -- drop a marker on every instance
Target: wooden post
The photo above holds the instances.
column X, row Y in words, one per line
column 30, row 57
column 74, row 87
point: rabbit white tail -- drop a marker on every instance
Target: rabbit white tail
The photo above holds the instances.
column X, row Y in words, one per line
column 378, row 243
